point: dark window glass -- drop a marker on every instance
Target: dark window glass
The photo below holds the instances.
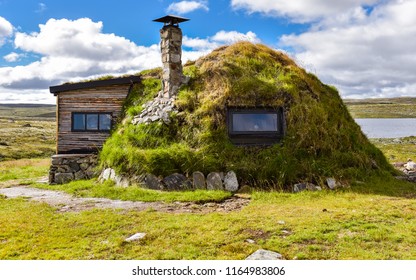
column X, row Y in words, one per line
column 92, row 121
column 254, row 122
column 78, row 121
column 105, row 121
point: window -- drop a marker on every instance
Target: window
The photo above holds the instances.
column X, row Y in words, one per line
column 255, row 126
column 91, row 121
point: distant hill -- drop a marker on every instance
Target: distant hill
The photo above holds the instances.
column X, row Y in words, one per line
column 400, row 107
column 28, row 111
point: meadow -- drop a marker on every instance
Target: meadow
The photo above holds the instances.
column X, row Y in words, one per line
column 373, row 218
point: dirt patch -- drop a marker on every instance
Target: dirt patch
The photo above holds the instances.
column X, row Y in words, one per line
column 67, row 203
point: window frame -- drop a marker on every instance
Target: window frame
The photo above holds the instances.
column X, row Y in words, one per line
column 248, row 138
column 98, row 130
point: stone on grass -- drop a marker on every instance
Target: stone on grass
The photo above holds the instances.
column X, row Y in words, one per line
column 264, row 255
column 152, row 182
column 122, row 181
column 134, row 237
column 63, row 178
column 299, row 187
column 331, row 182
column 410, row 165
column 107, row 174
column 231, row 182
column 312, row 187
column 214, row 181
column 176, row 181
column 198, row 179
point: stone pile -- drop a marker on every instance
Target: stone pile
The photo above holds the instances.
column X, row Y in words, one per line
column 408, row 169
column 66, row 168
column 156, row 110
column 331, row 183
column 176, row 181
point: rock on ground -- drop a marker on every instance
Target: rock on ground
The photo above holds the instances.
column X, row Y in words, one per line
column 265, row 255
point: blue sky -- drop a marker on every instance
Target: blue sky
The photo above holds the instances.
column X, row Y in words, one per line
column 367, row 48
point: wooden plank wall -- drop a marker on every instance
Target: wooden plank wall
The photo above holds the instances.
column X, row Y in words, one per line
column 101, row 99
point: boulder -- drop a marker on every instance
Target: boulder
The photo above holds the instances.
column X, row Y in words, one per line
column 122, row 181
column 231, row 182
column 176, row 181
column 198, row 179
column 410, row 165
column 107, row 174
column 265, row 255
column 331, row 182
column 63, row 178
column 312, row 187
column 299, row 187
column 214, row 181
column 135, row 237
column 152, row 182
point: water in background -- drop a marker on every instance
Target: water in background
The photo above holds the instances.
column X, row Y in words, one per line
column 388, row 128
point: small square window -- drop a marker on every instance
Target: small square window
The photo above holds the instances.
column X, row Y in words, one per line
column 254, row 122
column 92, row 121
column 105, row 121
column 78, row 121
column 255, row 126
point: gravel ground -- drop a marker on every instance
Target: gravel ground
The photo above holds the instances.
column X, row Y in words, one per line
column 67, row 203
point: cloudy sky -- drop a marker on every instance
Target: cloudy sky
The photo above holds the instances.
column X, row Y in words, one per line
column 367, row 48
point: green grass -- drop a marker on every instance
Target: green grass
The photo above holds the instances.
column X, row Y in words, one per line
column 23, row 171
column 404, row 107
column 320, row 225
column 374, row 219
column 397, row 150
column 26, row 138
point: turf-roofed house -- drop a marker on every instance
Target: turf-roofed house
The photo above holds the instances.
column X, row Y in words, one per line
column 244, row 114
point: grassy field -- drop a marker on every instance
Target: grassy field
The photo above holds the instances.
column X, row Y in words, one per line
column 404, row 107
column 27, row 131
column 27, row 111
column 370, row 219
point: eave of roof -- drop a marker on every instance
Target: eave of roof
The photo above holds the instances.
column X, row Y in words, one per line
column 92, row 84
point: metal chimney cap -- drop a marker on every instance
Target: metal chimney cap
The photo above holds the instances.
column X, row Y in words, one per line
column 171, row 20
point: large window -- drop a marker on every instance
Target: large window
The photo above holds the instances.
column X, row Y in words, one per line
column 91, row 121
column 255, row 126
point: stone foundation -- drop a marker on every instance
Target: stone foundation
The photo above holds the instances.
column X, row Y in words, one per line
column 68, row 167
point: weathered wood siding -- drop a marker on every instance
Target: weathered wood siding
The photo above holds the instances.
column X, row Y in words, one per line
column 95, row 100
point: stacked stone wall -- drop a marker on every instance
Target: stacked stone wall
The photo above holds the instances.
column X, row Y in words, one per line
column 68, row 167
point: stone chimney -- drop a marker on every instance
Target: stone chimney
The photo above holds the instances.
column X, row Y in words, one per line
column 171, row 48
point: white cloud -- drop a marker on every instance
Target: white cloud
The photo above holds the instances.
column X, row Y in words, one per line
column 363, row 54
column 299, row 10
column 41, row 8
column 73, row 50
column 234, row 36
column 6, row 30
column 220, row 38
column 185, row 7
column 12, row 57
column 200, row 47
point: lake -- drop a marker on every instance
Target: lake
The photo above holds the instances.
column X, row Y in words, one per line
column 388, row 128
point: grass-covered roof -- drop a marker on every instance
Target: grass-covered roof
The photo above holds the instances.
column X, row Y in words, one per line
column 322, row 140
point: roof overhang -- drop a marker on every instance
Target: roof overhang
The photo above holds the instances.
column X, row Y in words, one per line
column 92, row 84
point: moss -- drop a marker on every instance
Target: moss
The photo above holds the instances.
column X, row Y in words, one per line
column 321, row 140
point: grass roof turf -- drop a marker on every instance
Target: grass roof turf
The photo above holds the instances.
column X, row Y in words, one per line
column 322, row 140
